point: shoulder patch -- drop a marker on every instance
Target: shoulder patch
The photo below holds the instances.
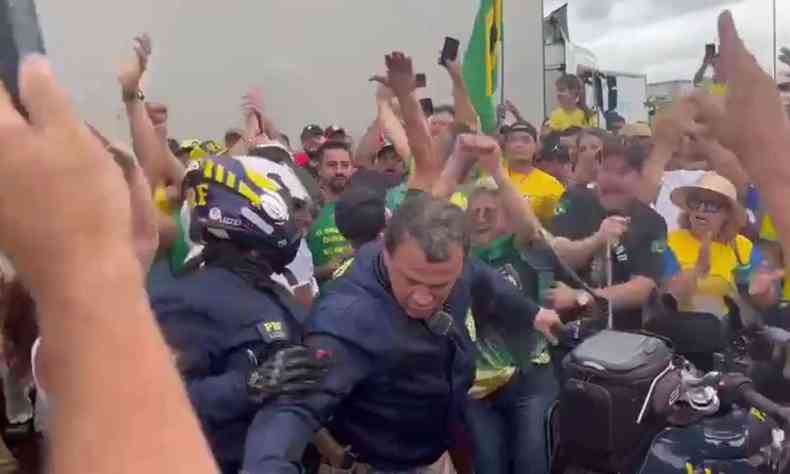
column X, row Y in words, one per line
column 658, row 246
column 562, row 207
column 272, row 331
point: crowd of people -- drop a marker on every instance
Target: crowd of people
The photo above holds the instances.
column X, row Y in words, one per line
column 388, row 303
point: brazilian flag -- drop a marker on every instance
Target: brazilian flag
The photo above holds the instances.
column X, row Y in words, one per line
column 481, row 64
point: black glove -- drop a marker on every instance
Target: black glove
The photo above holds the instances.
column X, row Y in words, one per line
column 289, row 370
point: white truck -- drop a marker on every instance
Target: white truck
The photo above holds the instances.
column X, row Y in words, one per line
column 621, row 92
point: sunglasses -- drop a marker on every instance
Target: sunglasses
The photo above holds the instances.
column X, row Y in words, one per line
column 704, row 205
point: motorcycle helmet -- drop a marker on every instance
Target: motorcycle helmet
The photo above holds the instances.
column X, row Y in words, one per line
column 246, row 201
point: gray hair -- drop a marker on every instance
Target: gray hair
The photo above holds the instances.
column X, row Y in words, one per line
column 434, row 223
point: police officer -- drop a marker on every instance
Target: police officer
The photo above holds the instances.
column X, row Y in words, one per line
column 234, row 333
column 403, row 363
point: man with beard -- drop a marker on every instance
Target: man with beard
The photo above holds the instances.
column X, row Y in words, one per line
column 615, row 241
column 326, row 243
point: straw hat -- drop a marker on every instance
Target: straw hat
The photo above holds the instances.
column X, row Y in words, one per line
column 718, row 184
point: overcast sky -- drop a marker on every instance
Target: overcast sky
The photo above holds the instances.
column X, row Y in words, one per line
column 666, row 38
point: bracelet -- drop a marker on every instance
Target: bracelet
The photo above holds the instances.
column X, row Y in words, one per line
column 131, row 96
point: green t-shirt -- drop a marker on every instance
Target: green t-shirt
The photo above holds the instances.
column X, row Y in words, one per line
column 515, row 343
column 325, row 241
column 180, row 250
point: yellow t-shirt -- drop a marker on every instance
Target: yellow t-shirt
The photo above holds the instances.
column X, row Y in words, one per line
column 562, row 120
column 714, row 88
column 720, row 281
column 161, row 201
column 543, row 190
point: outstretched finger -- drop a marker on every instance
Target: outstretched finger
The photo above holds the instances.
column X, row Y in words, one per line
column 731, row 44
column 380, row 79
column 46, row 101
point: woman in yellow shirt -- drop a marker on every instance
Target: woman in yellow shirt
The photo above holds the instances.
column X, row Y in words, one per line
column 572, row 111
column 708, row 259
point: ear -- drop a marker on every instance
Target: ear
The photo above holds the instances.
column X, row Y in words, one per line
column 387, row 258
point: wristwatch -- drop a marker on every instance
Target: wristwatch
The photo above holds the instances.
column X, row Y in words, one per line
column 583, row 298
column 131, row 96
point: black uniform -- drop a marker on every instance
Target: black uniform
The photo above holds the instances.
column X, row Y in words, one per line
column 219, row 324
column 397, row 383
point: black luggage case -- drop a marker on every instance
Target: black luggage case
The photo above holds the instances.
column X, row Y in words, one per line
column 607, row 380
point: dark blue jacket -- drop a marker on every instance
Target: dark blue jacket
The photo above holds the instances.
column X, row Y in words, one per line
column 395, row 386
column 213, row 319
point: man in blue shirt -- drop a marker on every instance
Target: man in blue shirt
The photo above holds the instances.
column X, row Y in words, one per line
column 394, row 325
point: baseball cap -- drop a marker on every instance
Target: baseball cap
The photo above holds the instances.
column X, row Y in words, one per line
column 384, row 148
column 312, row 130
column 360, row 214
column 520, row 127
column 334, row 129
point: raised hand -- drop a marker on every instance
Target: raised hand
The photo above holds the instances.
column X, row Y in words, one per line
column 62, row 204
column 484, row 149
column 454, row 68
column 764, row 284
column 753, row 112
column 383, row 91
column 132, row 70
column 254, row 100
column 677, row 122
column 400, row 74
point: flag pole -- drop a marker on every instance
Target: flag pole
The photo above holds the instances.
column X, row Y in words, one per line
column 775, row 51
column 502, row 72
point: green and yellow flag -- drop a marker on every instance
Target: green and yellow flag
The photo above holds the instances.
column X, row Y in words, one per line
column 482, row 62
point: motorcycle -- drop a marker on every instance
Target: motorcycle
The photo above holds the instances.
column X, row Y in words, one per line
column 677, row 398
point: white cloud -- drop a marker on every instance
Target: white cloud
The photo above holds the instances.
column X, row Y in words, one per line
column 664, row 39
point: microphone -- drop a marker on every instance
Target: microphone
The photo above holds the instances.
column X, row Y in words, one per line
column 440, row 323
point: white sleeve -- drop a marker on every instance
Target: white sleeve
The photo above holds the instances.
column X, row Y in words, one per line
column 302, row 266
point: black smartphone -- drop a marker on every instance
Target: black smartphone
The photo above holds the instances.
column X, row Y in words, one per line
column 427, row 106
column 710, row 50
column 422, row 80
column 449, row 51
column 20, row 35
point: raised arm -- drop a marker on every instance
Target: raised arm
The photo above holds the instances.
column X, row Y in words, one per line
column 700, row 74
column 670, row 128
column 390, row 124
column 159, row 165
column 526, row 224
column 367, row 146
column 401, row 79
column 753, row 125
column 465, row 113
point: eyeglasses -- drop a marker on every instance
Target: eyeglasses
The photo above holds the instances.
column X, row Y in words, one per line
column 704, row 205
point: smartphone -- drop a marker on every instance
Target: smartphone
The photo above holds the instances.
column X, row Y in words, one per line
column 427, row 106
column 449, row 51
column 710, row 50
column 20, row 35
column 422, row 80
